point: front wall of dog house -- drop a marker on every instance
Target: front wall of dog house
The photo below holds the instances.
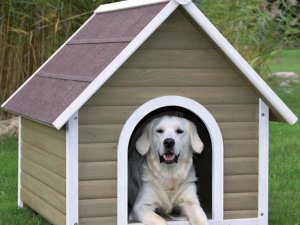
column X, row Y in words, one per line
column 176, row 60
column 43, row 170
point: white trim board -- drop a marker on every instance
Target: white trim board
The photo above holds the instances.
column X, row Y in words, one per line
column 126, row 5
column 212, row 32
column 263, row 163
column 72, row 196
column 20, row 202
column 217, row 152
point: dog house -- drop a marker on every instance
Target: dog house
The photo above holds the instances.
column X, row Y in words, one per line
column 132, row 60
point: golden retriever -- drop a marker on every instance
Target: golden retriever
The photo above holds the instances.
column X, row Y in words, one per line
column 162, row 176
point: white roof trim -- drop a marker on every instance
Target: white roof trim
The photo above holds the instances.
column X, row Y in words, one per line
column 126, row 5
column 241, row 63
column 115, row 64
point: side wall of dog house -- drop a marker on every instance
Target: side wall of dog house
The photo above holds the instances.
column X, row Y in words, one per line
column 43, row 170
column 176, row 60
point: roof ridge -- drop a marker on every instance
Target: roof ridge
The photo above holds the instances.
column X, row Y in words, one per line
column 127, row 4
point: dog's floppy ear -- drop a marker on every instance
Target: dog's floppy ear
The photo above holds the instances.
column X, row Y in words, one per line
column 196, row 143
column 143, row 142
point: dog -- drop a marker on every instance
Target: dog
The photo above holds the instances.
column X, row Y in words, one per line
column 162, row 176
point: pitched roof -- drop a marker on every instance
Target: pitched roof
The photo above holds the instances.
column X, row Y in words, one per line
column 60, row 87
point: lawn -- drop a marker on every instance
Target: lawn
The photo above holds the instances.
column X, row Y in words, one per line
column 284, row 163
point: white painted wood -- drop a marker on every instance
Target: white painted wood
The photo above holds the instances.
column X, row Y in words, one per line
column 241, row 63
column 115, row 64
column 217, row 149
column 20, row 202
column 263, row 163
column 56, row 52
column 211, row 222
column 126, row 5
column 72, row 196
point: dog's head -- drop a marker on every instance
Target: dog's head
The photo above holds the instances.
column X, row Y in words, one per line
column 170, row 137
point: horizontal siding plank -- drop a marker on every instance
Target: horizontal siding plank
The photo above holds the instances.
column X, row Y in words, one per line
column 241, row 183
column 41, row 207
column 90, row 115
column 239, row 130
column 47, row 130
column 108, row 133
column 42, row 191
column 175, row 77
column 130, row 96
column 176, row 22
column 98, row 208
column 44, row 175
column 240, row 148
column 45, row 142
column 176, row 59
column 97, row 152
column 240, row 166
column 240, row 214
column 112, row 220
column 97, row 171
column 44, row 159
column 240, row 201
column 178, row 40
column 98, row 189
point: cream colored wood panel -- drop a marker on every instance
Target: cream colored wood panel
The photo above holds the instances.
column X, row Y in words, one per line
column 97, row 152
column 178, row 40
column 45, row 193
column 240, row 201
column 175, row 77
column 175, row 59
column 241, row 183
column 98, row 189
column 241, row 166
column 136, row 96
column 239, row 130
column 240, row 214
column 108, row 133
column 91, row 115
column 98, row 221
column 41, row 207
column 97, row 171
column 240, row 148
column 98, row 208
column 50, row 131
column 44, row 159
column 44, row 175
column 45, row 142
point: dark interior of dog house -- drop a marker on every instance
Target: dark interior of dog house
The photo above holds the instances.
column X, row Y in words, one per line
column 202, row 162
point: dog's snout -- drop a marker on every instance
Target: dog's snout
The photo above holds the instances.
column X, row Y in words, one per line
column 169, row 142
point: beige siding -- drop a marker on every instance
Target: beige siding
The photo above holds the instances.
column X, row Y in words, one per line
column 43, row 170
column 176, row 60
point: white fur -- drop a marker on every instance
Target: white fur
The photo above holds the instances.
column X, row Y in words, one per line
column 166, row 186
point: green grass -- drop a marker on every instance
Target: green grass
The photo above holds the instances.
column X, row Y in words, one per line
column 284, row 199
column 9, row 212
column 285, row 150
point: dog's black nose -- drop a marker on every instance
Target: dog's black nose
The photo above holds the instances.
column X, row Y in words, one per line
column 169, row 142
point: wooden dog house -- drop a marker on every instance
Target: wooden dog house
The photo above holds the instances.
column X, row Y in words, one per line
column 79, row 109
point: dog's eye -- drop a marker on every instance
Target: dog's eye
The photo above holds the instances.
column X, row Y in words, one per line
column 160, row 131
column 179, row 131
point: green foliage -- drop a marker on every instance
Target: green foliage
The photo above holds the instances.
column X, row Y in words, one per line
column 30, row 31
column 249, row 28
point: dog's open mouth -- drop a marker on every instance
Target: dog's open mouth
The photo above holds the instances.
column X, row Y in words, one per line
column 168, row 157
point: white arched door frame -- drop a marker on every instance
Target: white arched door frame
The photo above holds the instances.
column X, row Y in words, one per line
column 217, row 151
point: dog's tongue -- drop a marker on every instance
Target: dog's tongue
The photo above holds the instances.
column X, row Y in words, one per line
column 169, row 157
